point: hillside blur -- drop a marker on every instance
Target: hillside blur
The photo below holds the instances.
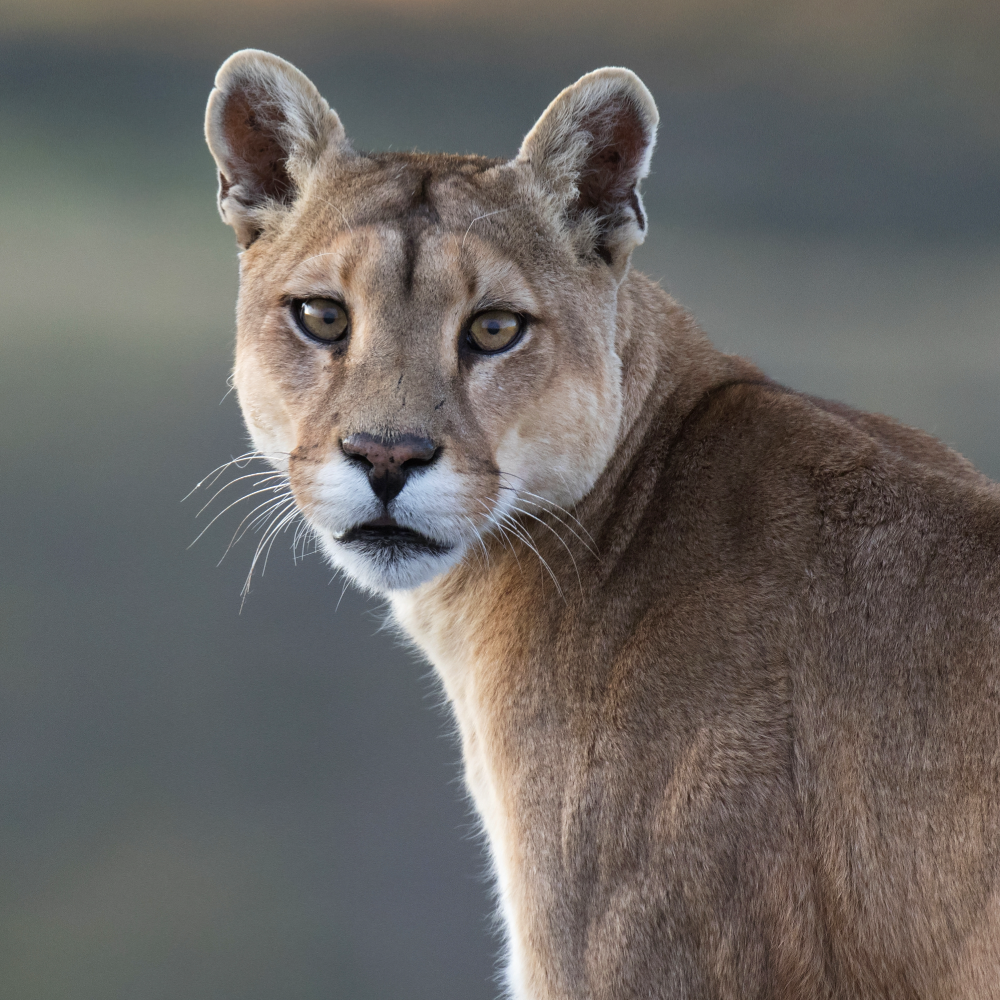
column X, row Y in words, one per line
column 209, row 804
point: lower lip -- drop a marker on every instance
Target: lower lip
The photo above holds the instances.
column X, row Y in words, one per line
column 384, row 536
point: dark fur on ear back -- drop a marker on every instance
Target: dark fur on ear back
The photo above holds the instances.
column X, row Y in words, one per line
column 266, row 125
column 592, row 147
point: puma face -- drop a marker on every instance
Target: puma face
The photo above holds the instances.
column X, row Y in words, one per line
column 426, row 344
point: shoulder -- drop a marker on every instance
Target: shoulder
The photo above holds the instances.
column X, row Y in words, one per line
column 770, row 460
column 819, row 434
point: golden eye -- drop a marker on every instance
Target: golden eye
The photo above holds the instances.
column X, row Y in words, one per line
column 323, row 319
column 493, row 331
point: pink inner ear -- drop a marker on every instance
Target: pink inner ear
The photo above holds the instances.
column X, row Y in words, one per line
column 252, row 124
column 608, row 177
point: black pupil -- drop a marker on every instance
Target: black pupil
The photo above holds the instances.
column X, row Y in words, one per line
column 330, row 316
column 495, row 326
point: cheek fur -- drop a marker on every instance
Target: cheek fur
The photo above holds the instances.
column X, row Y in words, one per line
column 560, row 444
column 264, row 411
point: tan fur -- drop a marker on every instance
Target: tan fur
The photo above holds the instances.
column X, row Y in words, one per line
column 723, row 657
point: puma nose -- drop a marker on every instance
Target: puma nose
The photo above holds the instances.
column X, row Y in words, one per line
column 388, row 461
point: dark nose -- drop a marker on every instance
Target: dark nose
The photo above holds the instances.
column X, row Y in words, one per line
column 388, row 461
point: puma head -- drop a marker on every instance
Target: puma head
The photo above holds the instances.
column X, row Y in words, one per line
column 426, row 343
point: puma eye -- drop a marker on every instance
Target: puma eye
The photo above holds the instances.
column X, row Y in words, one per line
column 324, row 320
column 493, row 331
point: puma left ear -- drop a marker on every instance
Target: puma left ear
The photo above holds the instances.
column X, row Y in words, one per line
column 265, row 125
column 591, row 148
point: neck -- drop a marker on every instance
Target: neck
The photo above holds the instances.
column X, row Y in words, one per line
column 523, row 637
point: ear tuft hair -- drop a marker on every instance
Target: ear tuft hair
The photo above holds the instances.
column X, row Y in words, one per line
column 591, row 148
column 265, row 125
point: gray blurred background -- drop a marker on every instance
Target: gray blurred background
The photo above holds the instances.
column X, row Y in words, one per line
column 203, row 803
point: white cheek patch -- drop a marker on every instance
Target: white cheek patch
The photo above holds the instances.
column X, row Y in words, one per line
column 558, row 455
column 271, row 429
column 436, row 502
column 341, row 497
column 274, row 446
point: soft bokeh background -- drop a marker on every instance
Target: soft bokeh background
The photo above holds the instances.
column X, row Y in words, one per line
column 206, row 804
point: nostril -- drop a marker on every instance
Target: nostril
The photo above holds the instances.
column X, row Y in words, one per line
column 361, row 448
column 423, row 458
column 389, row 460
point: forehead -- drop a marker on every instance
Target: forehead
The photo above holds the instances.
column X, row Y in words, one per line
column 416, row 189
column 397, row 221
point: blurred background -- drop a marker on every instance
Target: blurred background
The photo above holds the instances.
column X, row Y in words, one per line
column 204, row 803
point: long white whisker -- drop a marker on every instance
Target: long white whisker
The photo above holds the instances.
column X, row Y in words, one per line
column 551, row 505
column 267, row 477
column 510, row 545
column 271, row 505
column 275, row 528
column 553, row 513
column 276, row 514
column 491, row 514
column 266, row 489
column 559, row 537
column 521, row 533
column 246, row 457
column 479, row 538
column 343, row 590
column 288, row 519
column 302, row 532
column 282, row 501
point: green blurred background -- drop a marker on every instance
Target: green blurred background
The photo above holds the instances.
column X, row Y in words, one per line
column 201, row 803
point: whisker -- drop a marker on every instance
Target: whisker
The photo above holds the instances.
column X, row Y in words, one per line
column 343, row 590
column 569, row 527
column 271, row 506
column 232, row 386
column 266, row 489
column 479, row 218
column 551, row 505
column 521, row 533
column 559, row 537
column 491, row 514
column 288, row 519
column 542, row 507
column 246, row 457
column 303, row 533
column 276, row 526
column 479, row 539
column 239, row 479
column 272, row 517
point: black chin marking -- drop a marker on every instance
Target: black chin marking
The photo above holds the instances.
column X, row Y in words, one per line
column 394, row 538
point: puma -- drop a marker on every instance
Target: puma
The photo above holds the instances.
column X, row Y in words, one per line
column 724, row 658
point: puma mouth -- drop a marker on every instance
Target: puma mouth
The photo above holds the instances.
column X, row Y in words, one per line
column 386, row 534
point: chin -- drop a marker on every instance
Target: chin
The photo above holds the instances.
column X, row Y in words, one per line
column 386, row 561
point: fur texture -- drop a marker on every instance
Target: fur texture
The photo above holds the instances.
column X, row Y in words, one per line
column 724, row 657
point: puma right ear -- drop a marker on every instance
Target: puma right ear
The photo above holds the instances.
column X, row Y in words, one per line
column 591, row 148
column 265, row 125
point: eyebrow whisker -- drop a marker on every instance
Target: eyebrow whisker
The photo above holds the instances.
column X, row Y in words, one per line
column 479, row 218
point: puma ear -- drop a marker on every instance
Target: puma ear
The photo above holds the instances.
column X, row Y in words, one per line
column 591, row 148
column 265, row 124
